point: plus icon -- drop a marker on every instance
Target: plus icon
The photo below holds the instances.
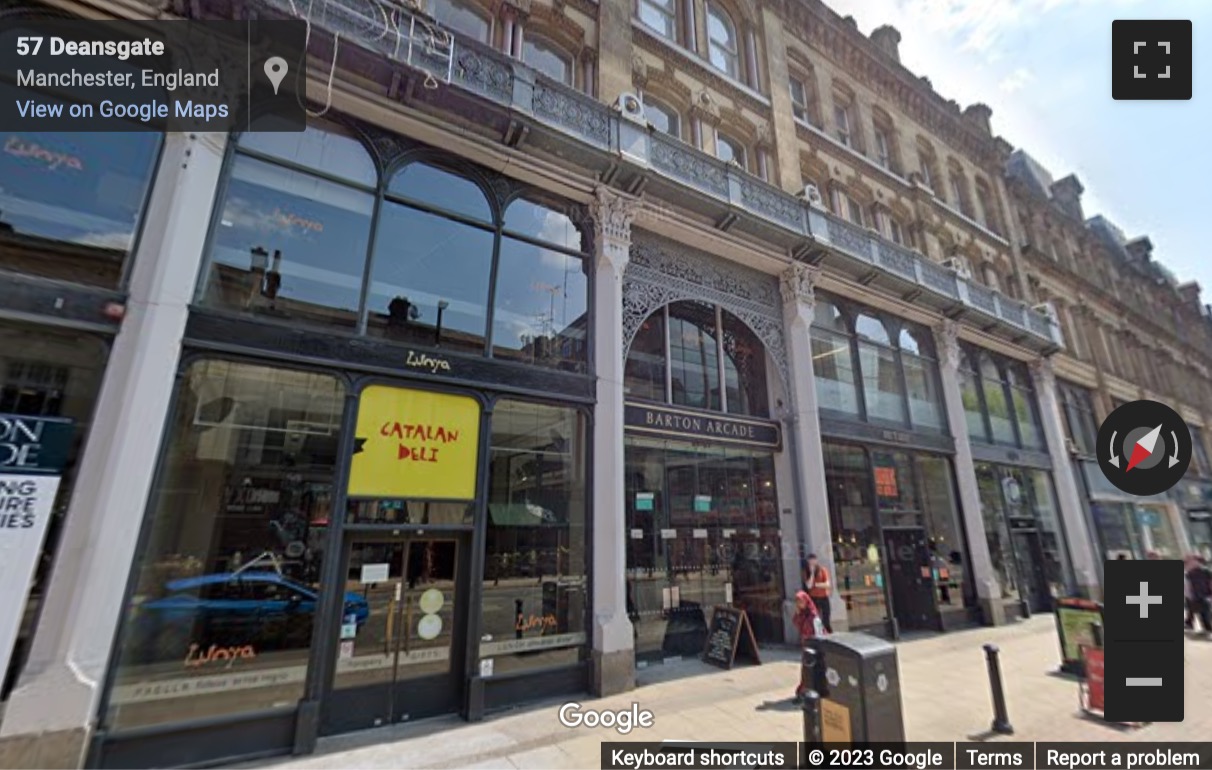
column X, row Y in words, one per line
column 1144, row 599
column 1151, row 59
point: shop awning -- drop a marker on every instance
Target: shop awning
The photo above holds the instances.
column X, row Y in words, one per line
column 518, row 514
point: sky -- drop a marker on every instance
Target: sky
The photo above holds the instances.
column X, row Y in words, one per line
column 1044, row 67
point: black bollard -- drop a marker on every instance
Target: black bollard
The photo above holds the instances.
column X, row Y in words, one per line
column 1001, row 721
column 1096, row 633
column 812, row 717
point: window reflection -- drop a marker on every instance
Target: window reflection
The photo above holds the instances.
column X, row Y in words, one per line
column 548, row 59
column 70, row 204
column 429, row 281
column 228, row 581
column 857, row 548
column 460, row 17
column 535, row 579
column 289, row 245
column 540, row 313
column 644, row 376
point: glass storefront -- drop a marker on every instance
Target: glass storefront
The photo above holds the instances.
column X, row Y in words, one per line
column 1128, row 526
column 227, row 585
column 897, row 537
column 293, row 243
column 703, row 530
column 1023, row 531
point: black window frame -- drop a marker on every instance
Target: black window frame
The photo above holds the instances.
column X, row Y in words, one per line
column 971, row 365
column 894, row 326
column 499, row 194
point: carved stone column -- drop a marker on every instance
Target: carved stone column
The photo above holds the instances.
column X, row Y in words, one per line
column 988, row 590
column 50, row 715
column 613, row 637
column 804, row 426
column 1072, row 513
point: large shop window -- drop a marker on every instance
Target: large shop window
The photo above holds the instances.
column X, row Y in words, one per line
column 304, row 235
column 227, row 584
column 71, row 204
column 535, row 578
column 875, row 368
column 879, row 500
column 999, row 401
column 1023, row 530
column 698, row 355
column 1081, row 425
column 702, row 530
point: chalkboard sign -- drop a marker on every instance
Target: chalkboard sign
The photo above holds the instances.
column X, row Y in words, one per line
column 730, row 634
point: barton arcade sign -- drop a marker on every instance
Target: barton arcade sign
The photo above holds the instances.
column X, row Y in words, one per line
column 710, row 427
column 33, row 451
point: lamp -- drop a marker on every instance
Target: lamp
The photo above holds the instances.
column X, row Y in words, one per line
column 437, row 335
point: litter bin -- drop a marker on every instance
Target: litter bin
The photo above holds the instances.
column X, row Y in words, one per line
column 861, row 700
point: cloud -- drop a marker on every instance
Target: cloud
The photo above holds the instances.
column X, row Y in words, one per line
column 1016, row 80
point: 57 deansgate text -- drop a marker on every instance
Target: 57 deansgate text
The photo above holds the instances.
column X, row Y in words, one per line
column 119, row 49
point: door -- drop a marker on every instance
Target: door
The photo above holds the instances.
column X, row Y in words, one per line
column 911, row 581
column 399, row 647
column 1033, row 577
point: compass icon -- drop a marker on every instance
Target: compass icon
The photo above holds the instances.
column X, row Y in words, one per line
column 1144, row 448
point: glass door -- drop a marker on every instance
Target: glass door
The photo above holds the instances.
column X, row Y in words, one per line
column 1030, row 559
column 402, row 631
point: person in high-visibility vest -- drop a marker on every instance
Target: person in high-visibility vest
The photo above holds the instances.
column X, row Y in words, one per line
column 819, row 586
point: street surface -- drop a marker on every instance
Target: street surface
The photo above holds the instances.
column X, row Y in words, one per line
column 945, row 690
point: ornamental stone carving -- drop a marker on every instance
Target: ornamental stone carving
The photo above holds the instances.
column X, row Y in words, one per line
column 639, row 70
column 613, row 214
column 797, row 284
column 662, row 271
column 706, row 108
column 949, row 352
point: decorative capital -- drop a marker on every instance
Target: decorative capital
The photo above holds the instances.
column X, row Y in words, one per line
column 612, row 214
column 949, row 352
column 639, row 70
column 798, row 285
column 1043, row 373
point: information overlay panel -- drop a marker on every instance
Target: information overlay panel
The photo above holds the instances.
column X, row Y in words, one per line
column 1119, row 755
column 73, row 75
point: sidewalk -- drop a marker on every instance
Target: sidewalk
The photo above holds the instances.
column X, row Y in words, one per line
column 945, row 691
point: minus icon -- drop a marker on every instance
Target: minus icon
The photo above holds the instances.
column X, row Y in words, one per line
column 1143, row 681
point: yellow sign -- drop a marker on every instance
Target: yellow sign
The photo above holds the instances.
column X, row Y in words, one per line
column 414, row 443
column 835, row 722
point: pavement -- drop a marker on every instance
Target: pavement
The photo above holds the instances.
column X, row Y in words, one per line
column 944, row 689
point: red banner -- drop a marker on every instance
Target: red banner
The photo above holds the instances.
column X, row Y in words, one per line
column 1094, row 676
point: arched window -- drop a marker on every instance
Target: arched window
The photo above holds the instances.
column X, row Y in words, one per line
column 293, row 244
column 446, row 267
column 663, row 119
column 548, row 59
column 660, row 16
column 723, row 43
column 893, row 360
column 884, row 140
column 730, row 150
column 462, row 17
column 927, row 163
column 805, row 104
column 958, row 181
column 698, row 355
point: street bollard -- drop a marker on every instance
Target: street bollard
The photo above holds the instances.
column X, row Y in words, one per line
column 812, row 717
column 1001, row 721
column 1096, row 633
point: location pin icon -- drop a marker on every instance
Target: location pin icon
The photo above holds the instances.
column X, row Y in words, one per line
column 275, row 70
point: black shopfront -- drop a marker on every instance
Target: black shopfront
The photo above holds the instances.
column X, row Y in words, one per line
column 899, row 547
column 373, row 501
column 1019, row 508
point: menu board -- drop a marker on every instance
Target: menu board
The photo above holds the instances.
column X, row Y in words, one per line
column 729, row 635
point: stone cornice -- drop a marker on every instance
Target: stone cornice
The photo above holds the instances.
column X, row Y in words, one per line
column 860, row 59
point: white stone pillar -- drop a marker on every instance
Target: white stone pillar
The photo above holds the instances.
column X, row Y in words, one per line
column 613, row 637
column 53, row 708
column 988, row 590
column 1077, row 535
column 797, row 284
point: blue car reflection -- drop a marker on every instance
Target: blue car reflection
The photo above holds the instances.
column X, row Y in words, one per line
column 263, row 609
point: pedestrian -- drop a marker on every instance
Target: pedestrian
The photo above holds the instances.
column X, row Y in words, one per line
column 1201, row 592
column 808, row 622
column 819, row 587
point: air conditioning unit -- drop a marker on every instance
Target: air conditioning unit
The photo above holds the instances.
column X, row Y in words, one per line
column 959, row 266
column 811, row 194
column 631, row 106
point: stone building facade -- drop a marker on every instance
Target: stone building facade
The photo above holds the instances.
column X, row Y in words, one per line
column 689, row 289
